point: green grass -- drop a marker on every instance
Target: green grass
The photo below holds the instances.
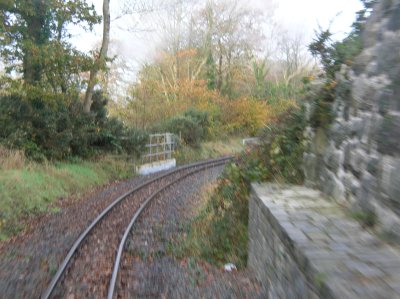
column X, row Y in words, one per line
column 30, row 189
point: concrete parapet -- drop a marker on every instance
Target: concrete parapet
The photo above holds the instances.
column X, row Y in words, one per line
column 154, row 167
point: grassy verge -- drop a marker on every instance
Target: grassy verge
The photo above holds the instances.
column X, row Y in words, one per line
column 208, row 150
column 28, row 189
column 218, row 233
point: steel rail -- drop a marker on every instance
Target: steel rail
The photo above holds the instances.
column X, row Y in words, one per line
column 113, row 280
column 82, row 236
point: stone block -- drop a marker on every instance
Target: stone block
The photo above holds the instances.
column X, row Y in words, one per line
column 390, row 178
column 309, row 137
column 347, row 148
column 394, row 20
column 320, row 142
column 394, row 99
column 361, row 92
column 365, row 90
column 373, row 165
column 389, row 224
column 372, row 68
column 388, row 58
column 368, row 191
column 332, row 186
column 375, row 124
column 333, row 158
column 351, row 183
column 362, row 60
column 310, row 167
column 338, row 132
column 388, row 135
column 388, row 99
column 356, row 127
column 357, row 161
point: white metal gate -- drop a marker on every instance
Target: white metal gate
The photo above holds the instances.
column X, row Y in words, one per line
column 160, row 147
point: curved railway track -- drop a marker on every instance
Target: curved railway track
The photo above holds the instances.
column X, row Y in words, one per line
column 93, row 260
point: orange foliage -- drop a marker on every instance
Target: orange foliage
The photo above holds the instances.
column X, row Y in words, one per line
column 151, row 107
column 164, row 92
column 244, row 115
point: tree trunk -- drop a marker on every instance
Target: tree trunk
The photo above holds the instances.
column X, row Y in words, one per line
column 32, row 63
column 219, row 75
column 101, row 60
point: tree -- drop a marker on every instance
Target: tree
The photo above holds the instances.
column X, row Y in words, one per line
column 101, row 58
column 33, row 40
column 260, row 73
column 233, row 36
column 295, row 62
column 225, row 36
column 124, row 10
column 210, row 75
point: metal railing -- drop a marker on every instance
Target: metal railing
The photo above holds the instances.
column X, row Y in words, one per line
column 160, row 147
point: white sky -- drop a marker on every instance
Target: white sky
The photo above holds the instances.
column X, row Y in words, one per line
column 305, row 15
column 292, row 15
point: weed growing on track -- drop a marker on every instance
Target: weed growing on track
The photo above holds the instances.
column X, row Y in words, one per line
column 28, row 189
column 218, row 234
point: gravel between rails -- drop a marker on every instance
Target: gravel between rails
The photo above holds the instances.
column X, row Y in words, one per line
column 90, row 271
column 29, row 260
column 148, row 271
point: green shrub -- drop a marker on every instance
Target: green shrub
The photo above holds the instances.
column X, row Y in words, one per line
column 280, row 154
column 57, row 128
column 192, row 126
column 201, row 118
column 134, row 142
column 186, row 128
column 38, row 127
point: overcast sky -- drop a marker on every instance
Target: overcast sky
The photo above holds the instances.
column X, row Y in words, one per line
column 291, row 15
column 305, row 15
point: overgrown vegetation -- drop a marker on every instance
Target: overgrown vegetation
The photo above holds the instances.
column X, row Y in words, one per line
column 219, row 233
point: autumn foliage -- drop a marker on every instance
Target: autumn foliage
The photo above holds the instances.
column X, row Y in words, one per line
column 160, row 95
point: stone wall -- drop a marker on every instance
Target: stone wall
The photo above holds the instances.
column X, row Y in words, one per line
column 356, row 160
column 303, row 246
column 269, row 255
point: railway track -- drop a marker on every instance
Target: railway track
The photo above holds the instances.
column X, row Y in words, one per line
column 90, row 269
